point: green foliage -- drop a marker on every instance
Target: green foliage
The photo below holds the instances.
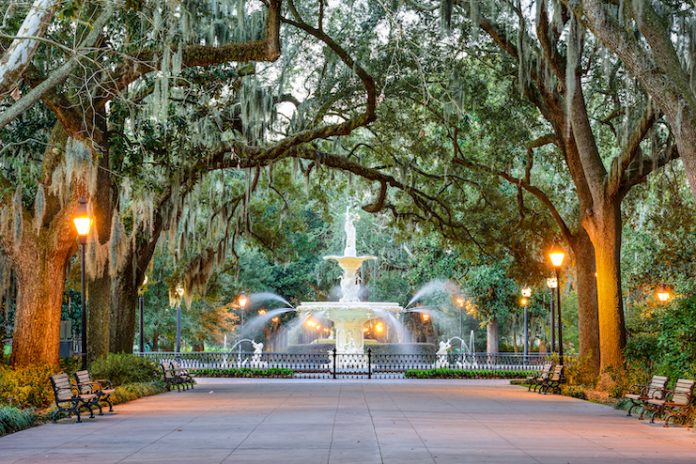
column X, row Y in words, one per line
column 444, row 373
column 574, row 391
column 133, row 391
column 123, row 369
column 492, row 291
column 662, row 339
column 14, row 419
column 676, row 342
column 275, row 372
column 26, row 387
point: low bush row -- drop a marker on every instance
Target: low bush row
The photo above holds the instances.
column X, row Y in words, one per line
column 465, row 374
column 14, row 419
column 245, row 372
column 133, row 391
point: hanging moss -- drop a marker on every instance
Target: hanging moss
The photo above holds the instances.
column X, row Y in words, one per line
column 39, row 208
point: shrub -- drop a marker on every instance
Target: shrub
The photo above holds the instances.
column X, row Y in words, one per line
column 245, row 372
column 121, row 369
column 574, row 391
column 26, row 387
column 133, row 391
column 13, row 419
column 465, row 374
column 676, row 343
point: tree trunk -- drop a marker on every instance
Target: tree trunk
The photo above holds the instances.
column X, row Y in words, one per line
column 588, row 320
column 492, row 336
column 40, row 272
column 98, row 301
column 99, row 287
column 124, row 301
column 605, row 231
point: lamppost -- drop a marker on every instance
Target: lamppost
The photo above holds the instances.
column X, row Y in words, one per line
column 180, row 293
column 242, row 301
column 557, row 256
column 460, row 302
column 552, row 283
column 141, row 307
column 524, row 301
column 83, row 222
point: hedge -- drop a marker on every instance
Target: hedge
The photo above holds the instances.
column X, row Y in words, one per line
column 245, row 372
column 14, row 419
column 465, row 374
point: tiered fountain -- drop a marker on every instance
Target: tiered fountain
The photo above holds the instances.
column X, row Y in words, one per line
column 349, row 313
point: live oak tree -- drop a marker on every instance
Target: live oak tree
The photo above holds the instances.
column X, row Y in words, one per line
column 76, row 158
column 560, row 71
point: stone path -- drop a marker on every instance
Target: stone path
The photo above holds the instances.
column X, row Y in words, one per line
column 364, row 422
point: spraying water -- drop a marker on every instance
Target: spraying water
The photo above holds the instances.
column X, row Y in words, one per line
column 255, row 324
column 434, row 286
column 258, row 298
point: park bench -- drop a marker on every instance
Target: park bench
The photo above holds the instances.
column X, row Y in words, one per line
column 677, row 404
column 639, row 394
column 69, row 399
column 171, row 378
column 183, row 373
column 536, row 380
column 101, row 388
column 553, row 382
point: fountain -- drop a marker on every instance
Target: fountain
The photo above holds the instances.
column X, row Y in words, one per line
column 349, row 313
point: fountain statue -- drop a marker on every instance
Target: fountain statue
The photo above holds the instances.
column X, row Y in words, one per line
column 256, row 357
column 349, row 313
column 441, row 353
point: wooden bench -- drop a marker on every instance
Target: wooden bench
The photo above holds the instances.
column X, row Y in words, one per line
column 183, row 373
column 553, row 383
column 171, row 378
column 101, row 388
column 535, row 381
column 639, row 394
column 69, row 399
column 677, row 404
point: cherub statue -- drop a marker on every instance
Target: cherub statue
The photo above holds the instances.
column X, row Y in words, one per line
column 258, row 347
column 444, row 348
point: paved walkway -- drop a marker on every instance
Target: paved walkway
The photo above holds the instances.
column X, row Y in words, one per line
column 365, row 422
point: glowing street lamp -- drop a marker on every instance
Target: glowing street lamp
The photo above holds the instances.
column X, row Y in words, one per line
column 663, row 294
column 83, row 222
column 180, row 294
column 557, row 256
column 262, row 311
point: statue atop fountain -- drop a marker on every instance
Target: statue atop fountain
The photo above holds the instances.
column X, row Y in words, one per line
column 349, row 228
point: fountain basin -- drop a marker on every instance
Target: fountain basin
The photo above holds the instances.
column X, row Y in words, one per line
column 348, row 318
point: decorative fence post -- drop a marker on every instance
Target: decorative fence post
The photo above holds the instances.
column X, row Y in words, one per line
column 334, row 363
column 369, row 363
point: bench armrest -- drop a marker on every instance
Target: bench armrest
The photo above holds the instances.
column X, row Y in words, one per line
column 103, row 383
